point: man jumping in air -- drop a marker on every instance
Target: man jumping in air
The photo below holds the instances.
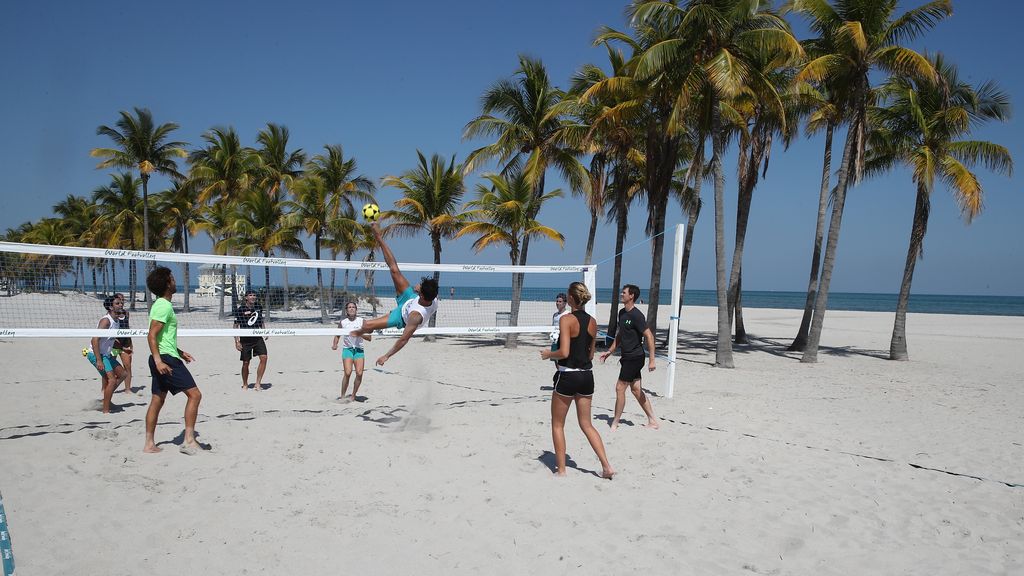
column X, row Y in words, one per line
column 415, row 304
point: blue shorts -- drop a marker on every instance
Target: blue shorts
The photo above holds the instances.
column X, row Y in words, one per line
column 352, row 353
column 395, row 317
column 108, row 363
column 179, row 380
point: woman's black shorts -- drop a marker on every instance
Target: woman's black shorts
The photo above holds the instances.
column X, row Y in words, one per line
column 580, row 383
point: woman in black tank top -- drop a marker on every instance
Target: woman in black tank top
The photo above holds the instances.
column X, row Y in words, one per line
column 574, row 380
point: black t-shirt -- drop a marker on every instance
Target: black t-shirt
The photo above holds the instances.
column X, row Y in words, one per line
column 631, row 328
column 249, row 317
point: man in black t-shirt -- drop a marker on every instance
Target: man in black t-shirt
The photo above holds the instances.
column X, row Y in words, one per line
column 250, row 315
column 632, row 329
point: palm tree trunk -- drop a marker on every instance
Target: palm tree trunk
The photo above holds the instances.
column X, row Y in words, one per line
column 741, row 330
column 234, row 290
column 320, row 281
column 898, row 345
column 188, row 285
column 591, row 236
column 435, row 241
column 821, row 299
column 657, row 257
column 744, row 201
column 132, row 276
column 113, row 275
column 691, row 223
column 598, row 164
column 621, row 227
column 533, row 214
column 348, row 256
column 819, row 232
column 660, row 170
column 145, row 231
column 723, row 351
column 223, row 287
column 266, row 297
column 287, row 299
column 334, row 256
column 511, row 339
column 371, row 257
column 691, row 220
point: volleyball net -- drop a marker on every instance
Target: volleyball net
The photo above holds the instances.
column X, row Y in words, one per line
column 59, row 291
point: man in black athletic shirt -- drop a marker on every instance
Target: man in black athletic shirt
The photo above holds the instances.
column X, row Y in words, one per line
column 632, row 329
column 250, row 315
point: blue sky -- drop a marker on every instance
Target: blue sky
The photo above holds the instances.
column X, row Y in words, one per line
column 386, row 79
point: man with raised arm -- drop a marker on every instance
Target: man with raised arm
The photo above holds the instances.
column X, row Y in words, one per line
column 415, row 304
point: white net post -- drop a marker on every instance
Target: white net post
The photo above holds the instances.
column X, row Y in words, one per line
column 673, row 324
column 590, row 279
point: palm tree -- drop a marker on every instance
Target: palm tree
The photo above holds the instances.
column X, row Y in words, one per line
column 215, row 219
column 527, row 117
column 279, row 166
column 142, row 145
column 431, row 197
column 180, row 205
column 824, row 113
column 46, row 270
column 347, row 188
column 502, row 214
column 314, row 208
column 615, row 110
column 224, row 171
column 765, row 109
column 79, row 214
column 261, row 225
column 120, row 205
column 865, row 37
column 922, row 124
column 707, row 59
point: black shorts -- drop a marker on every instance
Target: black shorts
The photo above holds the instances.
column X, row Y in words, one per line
column 580, row 383
column 254, row 347
column 179, row 380
column 630, row 369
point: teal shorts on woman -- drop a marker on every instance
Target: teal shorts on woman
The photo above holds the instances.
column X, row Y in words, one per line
column 352, row 353
column 395, row 317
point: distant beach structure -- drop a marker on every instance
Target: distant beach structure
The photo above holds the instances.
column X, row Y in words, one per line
column 211, row 279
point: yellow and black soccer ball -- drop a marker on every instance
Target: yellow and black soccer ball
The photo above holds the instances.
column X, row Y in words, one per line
column 371, row 212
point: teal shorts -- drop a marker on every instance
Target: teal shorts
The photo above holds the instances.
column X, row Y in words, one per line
column 395, row 317
column 352, row 353
column 108, row 362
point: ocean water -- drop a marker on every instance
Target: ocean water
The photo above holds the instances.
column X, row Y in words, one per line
column 868, row 302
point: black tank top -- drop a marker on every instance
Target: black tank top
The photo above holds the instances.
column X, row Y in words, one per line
column 579, row 346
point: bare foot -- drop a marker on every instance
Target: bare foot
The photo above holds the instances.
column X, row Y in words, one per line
column 614, row 426
column 652, row 424
column 245, row 386
column 560, row 473
column 190, row 449
column 152, row 449
column 607, row 473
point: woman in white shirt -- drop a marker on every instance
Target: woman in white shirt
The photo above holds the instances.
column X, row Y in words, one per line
column 352, row 354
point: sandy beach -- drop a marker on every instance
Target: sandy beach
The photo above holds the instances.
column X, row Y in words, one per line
column 855, row 465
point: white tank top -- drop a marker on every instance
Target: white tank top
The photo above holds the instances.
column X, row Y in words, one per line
column 107, row 344
column 413, row 305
